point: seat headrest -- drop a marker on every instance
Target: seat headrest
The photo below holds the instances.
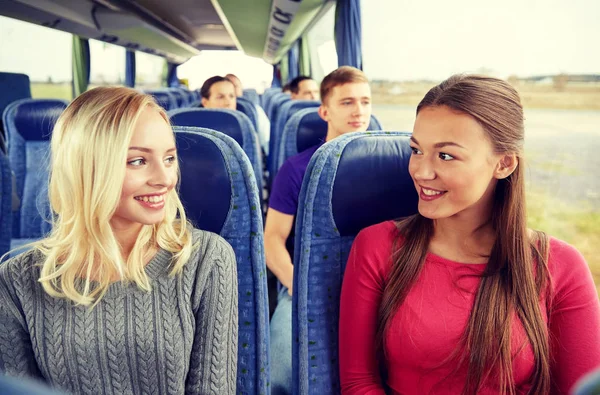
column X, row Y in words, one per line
column 221, row 120
column 164, row 99
column 373, row 170
column 205, row 185
column 312, row 129
column 13, row 87
column 33, row 119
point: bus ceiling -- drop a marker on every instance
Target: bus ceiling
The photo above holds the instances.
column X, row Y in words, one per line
column 179, row 29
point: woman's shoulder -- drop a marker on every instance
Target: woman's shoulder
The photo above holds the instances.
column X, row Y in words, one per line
column 19, row 275
column 568, row 269
column 208, row 241
column 210, row 249
column 381, row 235
column 25, row 264
column 213, row 260
column 563, row 256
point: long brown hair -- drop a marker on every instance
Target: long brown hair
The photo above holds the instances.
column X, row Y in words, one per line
column 516, row 275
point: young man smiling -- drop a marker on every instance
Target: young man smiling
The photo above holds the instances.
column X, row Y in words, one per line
column 346, row 107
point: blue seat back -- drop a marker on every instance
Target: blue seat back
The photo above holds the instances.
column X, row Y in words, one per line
column 251, row 95
column 29, row 124
column 245, row 106
column 13, row 87
column 287, row 109
column 181, row 98
column 276, row 101
column 306, row 129
column 230, row 122
column 267, row 96
column 5, row 204
column 220, row 195
column 332, row 210
column 164, row 99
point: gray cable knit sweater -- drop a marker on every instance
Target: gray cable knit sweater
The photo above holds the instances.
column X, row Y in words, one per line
column 179, row 338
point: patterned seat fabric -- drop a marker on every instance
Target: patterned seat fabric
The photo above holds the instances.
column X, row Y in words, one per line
column 251, row 95
column 165, row 99
column 29, row 124
column 332, row 211
column 5, row 204
column 247, row 108
column 220, row 195
column 287, row 109
column 230, row 122
column 306, row 129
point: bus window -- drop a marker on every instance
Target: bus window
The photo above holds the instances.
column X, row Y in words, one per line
column 148, row 70
column 42, row 53
column 322, row 46
column 253, row 72
column 107, row 64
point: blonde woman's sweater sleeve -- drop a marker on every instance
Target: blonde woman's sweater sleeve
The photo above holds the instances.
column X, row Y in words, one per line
column 213, row 363
column 17, row 357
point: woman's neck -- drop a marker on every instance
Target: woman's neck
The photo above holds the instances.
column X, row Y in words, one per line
column 127, row 237
column 462, row 240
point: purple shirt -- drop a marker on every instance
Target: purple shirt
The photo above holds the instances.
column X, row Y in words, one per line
column 288, row 181
column 286, row 188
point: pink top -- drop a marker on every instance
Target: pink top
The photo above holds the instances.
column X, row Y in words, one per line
column 427, row 327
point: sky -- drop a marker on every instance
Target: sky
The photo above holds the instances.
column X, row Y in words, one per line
column 402, row 40
column 406, row 40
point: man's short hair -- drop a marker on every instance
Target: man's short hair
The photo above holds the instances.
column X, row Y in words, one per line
column 341, row 76
column 294, row 84
column 205, row 90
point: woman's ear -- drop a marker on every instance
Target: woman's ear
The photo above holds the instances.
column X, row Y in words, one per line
column 506, row 166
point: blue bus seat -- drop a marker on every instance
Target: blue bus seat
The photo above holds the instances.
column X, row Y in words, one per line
column 29, row 124
column 13, row 87
column 220, row 195
column 247, row 107
column 267, row 96
column 164, row 99
column 5, row 204
column 276, row 101
column 287, row 109
column 230, row 122
column 332, row 211
column 306, row 129
column 251, row 95
column 181, row 98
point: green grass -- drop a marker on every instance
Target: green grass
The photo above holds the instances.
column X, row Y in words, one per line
column 576, row 223
column 51, row 91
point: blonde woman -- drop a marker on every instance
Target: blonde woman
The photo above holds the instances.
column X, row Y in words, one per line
column 124, row 296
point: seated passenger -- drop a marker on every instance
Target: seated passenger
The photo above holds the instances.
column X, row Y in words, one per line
column 463, row 297
column 346, row 108
column 239, row 88
column 218, row 92
column 262, row 121
column 303, row 88
column 123, row 295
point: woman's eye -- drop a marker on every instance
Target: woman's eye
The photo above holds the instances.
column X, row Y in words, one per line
column 415, row 151
column 446, row 157
column 171, row 159
column 136, row 162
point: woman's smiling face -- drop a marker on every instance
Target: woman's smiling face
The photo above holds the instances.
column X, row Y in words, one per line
column 453, row 164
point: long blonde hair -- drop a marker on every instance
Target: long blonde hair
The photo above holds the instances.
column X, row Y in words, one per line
column 88, row 155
